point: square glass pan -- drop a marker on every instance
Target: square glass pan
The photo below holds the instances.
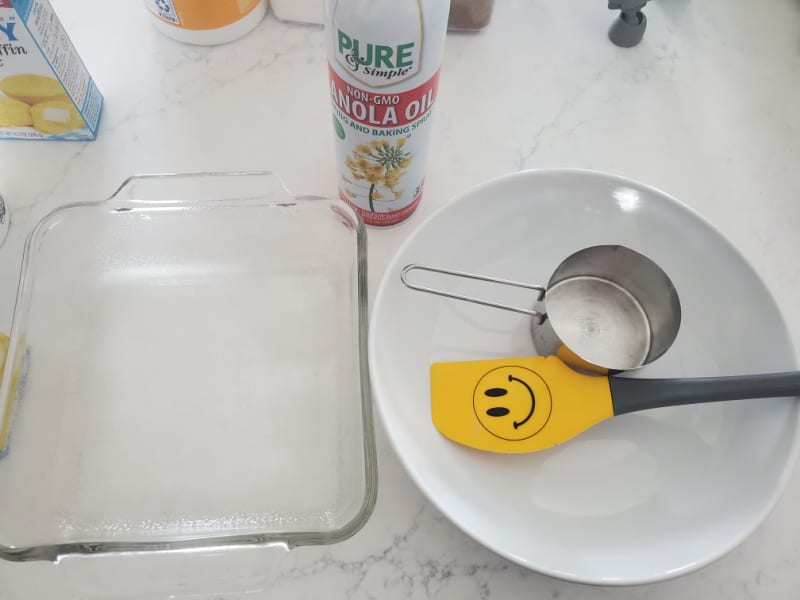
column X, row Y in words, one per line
column 187, row 369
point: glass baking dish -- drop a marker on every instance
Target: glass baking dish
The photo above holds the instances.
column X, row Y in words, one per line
column 187, row 369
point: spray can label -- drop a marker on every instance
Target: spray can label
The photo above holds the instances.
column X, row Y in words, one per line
column 383, row 86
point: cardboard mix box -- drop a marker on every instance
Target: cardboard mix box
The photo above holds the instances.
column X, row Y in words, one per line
column 45, row 90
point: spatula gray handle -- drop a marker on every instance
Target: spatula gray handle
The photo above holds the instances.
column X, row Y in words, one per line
column 630, row 395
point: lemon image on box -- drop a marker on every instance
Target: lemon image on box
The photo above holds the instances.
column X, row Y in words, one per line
column 55, row 116
column 14, row 113
column 32, row 89
column 38, row 101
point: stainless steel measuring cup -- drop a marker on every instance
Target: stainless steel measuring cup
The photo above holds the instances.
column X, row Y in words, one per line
column 605, row 308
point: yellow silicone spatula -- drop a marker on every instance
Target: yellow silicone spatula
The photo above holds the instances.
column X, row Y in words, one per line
column 527, row 404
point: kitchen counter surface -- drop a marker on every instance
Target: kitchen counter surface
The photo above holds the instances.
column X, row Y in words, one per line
column 706, row 108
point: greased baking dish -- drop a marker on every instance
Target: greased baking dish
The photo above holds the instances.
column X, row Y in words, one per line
column 187, row 368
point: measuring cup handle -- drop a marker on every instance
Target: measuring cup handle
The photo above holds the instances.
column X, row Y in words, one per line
column 630, row 395
column 429, row 290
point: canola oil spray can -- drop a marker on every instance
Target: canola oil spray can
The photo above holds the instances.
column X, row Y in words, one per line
column 384, row 58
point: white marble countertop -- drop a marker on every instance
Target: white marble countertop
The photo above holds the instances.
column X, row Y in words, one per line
column 706, row 108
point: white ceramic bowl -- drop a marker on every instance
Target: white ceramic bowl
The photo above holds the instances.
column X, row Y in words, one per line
column 638, row 498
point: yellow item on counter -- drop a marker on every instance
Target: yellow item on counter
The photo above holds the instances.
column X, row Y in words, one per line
column 14, row 113
column 55, row 116
column 6, row 417
column 32, row 89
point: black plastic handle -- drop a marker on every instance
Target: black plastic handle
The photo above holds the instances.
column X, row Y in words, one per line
column 630, row 395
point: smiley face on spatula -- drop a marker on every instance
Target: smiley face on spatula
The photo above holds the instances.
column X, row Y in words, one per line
column 512, row 403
